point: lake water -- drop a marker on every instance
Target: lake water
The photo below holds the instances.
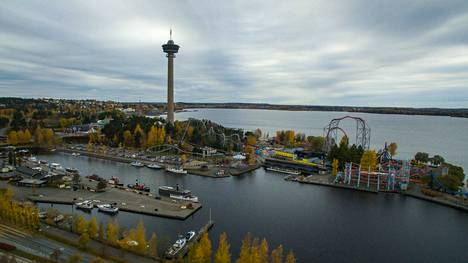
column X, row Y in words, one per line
column 445, row 136
column 319, row 224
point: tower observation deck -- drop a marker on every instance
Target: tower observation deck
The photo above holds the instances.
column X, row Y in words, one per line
column 170, row 48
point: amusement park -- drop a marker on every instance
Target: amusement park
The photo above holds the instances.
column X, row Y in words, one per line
column 340, row 162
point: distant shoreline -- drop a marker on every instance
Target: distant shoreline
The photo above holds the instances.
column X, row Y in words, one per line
column 461, row 113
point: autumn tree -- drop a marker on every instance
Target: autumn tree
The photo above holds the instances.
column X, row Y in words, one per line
column 139, row 136
column 81, row 226
column 290, row 258
column 92, row 227
column 127, row 138
column 84, row 239
column 368, row 160
column 222, row 253
column 392, row 149
column 244, row 256
column 251, row 140
column 112, row 232
column 277, row 255
column 153, row 246
column 140, row 237
column 205, row 245
column 335, row 167
column 12, row 138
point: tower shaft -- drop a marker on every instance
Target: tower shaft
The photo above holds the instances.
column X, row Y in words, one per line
column 170, row 88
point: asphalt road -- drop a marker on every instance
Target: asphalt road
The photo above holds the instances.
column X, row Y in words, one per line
column 38, row 245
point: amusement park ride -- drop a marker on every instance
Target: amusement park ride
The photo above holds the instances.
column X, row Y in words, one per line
column 389, row 175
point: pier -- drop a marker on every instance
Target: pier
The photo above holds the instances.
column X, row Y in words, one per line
column 186, row 249
column 125, row 199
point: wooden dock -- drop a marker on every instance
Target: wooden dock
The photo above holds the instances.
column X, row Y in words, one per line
column 186, row 249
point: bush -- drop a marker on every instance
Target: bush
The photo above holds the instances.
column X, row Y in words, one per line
column 430, row 193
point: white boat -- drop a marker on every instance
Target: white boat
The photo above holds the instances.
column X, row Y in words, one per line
column 58, row 218
column 154, row 166
column 190, row 198
column 108, row 208
column 178, row 245
column 137, row 164
column 86, row 205
column 76, row 154
column 189, row 235
column 282, row 170
column 176, row 170
column 32, row 159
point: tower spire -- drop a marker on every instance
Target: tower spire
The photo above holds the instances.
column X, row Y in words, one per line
column 170, row 34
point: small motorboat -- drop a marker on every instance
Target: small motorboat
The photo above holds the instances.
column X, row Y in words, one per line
column 137, row 164
column 154, row 166
column 176, row 170
column 108, row 208
column 86, row 205
column 189, row 235
column 94, row 177
column 58, row 218
column 76, row 154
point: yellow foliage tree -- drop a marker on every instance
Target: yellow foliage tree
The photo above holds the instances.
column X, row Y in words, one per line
column 205, row 245
column 84, row 239
column 290, row 258
column 392, row 149
column 92, row 227
column 277, row 255
column 112, row 232
column 12, row 138
column 140, row 237
column 152, row 136
column 38, row 136
column 335, row 167
column 251, row 140
column 222, row 253
column 27, row 136
column 128, row 139
column 81, row 226
column 244, row 256
column 368, row 160
column 153, row 246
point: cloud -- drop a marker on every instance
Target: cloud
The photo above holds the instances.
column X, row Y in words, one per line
column 356, row 52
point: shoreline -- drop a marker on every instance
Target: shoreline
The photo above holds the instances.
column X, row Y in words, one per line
column 407, row 193
column 437, row 112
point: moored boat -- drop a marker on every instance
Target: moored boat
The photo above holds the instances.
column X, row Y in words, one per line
column 176, row 170
column 189, row 235
column 137, row 164
column 189, row 197
column 108, row 208
column 76, row 154
column 177, row 246
column 169, row 190
column 154, row 166
column 86, row 205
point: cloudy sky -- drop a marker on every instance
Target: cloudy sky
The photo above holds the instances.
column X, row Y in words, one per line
column 347, row 52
